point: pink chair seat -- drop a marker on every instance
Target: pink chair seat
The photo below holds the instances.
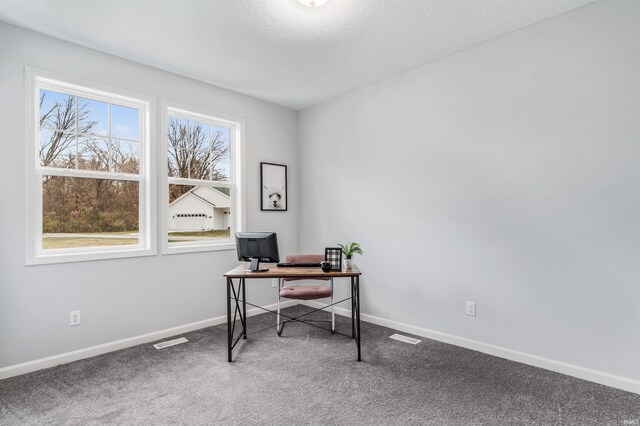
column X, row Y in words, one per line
column 306, row 292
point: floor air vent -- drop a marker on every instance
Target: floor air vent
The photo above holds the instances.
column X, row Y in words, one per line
column 405, row 339
column 168, row 343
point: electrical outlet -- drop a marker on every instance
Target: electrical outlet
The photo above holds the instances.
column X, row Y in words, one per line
column 471, row 309
column 274, row 282
column 74, row 317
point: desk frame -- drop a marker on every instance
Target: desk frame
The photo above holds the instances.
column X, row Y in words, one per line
column 237, row 294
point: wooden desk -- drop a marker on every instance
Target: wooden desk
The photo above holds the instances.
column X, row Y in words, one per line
column 237, row 293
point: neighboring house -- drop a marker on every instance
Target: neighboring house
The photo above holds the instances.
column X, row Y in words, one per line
column 202, row 208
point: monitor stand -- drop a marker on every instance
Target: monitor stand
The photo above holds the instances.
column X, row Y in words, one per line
column 255, row 266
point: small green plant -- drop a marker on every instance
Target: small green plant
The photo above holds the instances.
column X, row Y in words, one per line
column 350, row 249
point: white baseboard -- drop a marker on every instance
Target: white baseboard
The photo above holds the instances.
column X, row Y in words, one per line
column 52, row 361
column 596, row 376
column 584, row 373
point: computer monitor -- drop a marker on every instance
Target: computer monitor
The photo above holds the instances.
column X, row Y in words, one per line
column 256, row 247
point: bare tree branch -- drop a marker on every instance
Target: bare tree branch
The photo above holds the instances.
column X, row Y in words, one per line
column 59, row 150
column 191, row 155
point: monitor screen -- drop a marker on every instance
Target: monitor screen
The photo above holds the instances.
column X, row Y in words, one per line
column 257, row 247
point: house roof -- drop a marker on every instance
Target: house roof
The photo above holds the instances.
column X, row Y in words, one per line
column 207, row 194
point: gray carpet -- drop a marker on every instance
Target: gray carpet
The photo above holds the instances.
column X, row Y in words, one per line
column 307, row 376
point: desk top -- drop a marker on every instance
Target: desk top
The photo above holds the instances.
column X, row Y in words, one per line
column 274, row 271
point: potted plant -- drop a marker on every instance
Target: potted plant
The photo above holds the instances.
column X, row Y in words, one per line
column 349, row 250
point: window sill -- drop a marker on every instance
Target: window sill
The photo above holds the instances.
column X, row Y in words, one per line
column 195, row 248
column 62, row 257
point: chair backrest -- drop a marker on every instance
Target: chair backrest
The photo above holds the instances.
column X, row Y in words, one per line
column 305, row 258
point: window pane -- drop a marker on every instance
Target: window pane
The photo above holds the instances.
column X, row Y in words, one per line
column 57, row 149
column 87, row 212
column 57, row 110
column 125, row 156
column 189, row 149
column 193, row 136
column 176, row 127
column 199, row 164
column 198, row 213
column 125, row 123
column 93, row 117
column 179, row 162
column 198, row 150
column 201, row 137
column 219, row 163
column 93, row 153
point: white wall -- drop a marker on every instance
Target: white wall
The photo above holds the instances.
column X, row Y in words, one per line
column 511, row 173
column 120, row 298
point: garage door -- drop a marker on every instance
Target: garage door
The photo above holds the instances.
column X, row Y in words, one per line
column 190, row 221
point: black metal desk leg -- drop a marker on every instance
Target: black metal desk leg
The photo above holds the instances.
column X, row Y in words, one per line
column 229, row 336
column 358, row 314
column 353, row 310
column 244, row 307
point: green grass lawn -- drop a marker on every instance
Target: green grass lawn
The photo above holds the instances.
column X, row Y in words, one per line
column 75, row 242
column 224, row 233
column 120, row 239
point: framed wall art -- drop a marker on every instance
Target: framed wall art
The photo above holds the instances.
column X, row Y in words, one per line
column 273, row 187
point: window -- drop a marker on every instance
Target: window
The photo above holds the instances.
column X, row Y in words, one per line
column 203, row 191
column 90, row 192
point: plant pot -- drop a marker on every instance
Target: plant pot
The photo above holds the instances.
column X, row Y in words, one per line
column 348, row 263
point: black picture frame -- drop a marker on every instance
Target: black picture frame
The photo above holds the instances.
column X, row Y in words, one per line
column 333, row 255
column 273, row 187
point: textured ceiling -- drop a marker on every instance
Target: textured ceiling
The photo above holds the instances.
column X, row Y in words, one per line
column 279, row 50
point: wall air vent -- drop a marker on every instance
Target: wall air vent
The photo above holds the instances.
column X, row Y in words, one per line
column 168, row 343
column 405, row 339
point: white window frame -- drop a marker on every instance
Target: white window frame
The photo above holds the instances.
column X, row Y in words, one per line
column 235, row 183
column 35, row 79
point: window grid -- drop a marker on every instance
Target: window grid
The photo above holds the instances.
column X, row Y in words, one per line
column 121, row 145
column 111, row 140
column 78, row 135
column 212, row 125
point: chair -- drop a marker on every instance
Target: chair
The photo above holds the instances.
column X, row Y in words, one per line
column 304, row 292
